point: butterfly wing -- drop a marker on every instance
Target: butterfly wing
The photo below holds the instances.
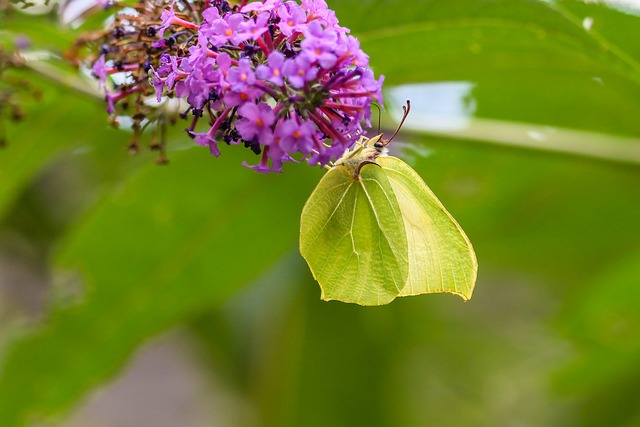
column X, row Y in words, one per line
column 441, row 258
column 353, row 237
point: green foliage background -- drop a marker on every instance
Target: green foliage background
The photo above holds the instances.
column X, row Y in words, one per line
column 130, row 249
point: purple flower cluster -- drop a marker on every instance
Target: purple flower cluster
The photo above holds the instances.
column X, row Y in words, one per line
column 282, row 78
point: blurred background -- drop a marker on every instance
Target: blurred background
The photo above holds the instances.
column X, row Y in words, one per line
column 134, row 294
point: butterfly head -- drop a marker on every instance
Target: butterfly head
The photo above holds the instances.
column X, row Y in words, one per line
column 379, row 143
column 368, row 149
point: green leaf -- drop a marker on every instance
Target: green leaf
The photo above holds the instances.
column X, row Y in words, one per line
column 57, row 123
column 441, row 258
column 604, row 326
column 171, row 242
column 529, row 61
column 352, row 236
column 44, row 31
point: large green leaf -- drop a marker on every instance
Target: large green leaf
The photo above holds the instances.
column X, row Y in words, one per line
column 530, row 61
column 542, row 224
column 604, row 325
column 169, row 243
column 56, row 123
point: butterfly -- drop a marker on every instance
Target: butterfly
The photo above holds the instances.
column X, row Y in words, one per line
column 372, row 230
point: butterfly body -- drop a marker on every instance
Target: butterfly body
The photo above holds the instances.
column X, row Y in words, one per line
column 365, row 152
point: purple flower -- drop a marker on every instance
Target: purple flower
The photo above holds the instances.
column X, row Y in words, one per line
column 324, row 156
column 158, row 84
column 165, row 66
column 205, row 140
column 248, row 94
column 225, row 30
column 299, row 71
column 320, row 45
column 159, row 44
column 167, row 17
column 266, row 5
column 172, row 71
column 99, row 70
column 210, row 15
column 256, row 122
column 253, row 30
column 111, row 99
column 296, row 137
column 272, row 72
column 242, row 76
column 327, row 16
column 291, row 17
column 352, row 46
column 223, row 60
column 277, row 156
column 262, row 167
column 371, row 85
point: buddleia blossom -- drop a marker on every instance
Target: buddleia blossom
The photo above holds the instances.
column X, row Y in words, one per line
column 281, row 78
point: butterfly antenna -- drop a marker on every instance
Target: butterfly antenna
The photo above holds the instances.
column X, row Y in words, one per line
column 379, row 115
column 406, row 110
